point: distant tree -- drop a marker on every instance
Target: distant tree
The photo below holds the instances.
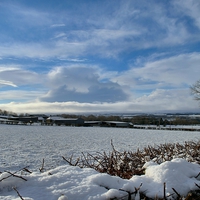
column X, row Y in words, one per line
column 113, row 118
column 5, row 112
column 91, row 118
column 101, row 118
column 196, row 90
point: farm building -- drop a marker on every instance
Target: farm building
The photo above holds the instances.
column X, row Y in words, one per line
column 92, row 123
column 64, row 121
column 27, row 119
column 117, row 124
column 109, row 124
column 18, row 120
column 7, row 121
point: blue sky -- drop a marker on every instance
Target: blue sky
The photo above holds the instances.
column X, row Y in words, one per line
column 99, row 56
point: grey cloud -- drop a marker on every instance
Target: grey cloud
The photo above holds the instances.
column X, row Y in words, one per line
column 17, row 77
column 75, row 77
column 94, row 94
column 82, row 83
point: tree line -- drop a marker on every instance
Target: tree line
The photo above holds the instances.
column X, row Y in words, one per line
column 140, row 119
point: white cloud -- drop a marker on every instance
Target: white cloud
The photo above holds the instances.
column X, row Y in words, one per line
column 169, row 100
column 176, row 71
column 57, row 25
column 60, row 49
column 30, row 50
column 60, row 35
column 9, row 83
column 190, row 8
column 9, row 67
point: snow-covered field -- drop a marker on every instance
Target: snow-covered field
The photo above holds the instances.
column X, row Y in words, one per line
column 23, row 146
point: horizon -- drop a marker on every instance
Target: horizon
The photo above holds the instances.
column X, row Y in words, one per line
column 122, row 114
column 99, row 56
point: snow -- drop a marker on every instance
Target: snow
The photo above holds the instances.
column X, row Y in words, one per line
column 27, row 145
column 69, row 182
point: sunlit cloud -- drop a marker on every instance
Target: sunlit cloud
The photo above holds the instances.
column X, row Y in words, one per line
column 158, row 101
column 9, row 83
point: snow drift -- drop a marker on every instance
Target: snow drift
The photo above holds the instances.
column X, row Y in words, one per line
column 70, row 182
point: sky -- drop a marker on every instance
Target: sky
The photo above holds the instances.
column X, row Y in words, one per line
column 98, row 56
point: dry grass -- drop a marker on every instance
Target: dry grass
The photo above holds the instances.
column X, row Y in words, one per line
column 126, row 164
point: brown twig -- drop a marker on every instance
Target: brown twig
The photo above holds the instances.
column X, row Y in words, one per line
column 67, row 161
column 164, row 190
column 197, row 185
column 197, row 175
column 179, row 196
column 11, row 174
column 5, row 178
column 42, row 168
column 86, row 160
column 14, row 188
column 27, row 170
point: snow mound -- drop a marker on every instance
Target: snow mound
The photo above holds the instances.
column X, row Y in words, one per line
column 73, row 183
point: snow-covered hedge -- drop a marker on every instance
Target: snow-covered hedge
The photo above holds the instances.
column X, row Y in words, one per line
column 169, row 171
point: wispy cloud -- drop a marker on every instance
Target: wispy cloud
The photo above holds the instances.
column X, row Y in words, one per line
column 20, row 77
column 9, row 83
column 20, row 95
column 142, row 26
column 190, row 8
column 57, row 25
column 176, row 71
column 60, row 35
